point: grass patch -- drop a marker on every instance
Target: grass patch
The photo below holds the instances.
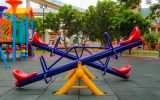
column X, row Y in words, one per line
column 149, row 53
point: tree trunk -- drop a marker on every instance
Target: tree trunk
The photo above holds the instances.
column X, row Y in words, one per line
column 130, row 50
column 65, row 43
column 103, row 43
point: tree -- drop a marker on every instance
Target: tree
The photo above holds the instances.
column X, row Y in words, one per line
column 125, row 21
column 129, row 20
column 98, row 19
column 148, row 1
column 105, row 10
column 116, row 23
column 83, row 34
column 130, row 3
column 52, row 22
column 89, row 25
column 38, row 23
column 155, row 13
column 70, row 18
column 108, row 16
column 116, row 19
column 152, row 39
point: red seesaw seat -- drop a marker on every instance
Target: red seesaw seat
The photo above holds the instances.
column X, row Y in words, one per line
column 135, row 36
column 123, row 70
column 20, row 75
column 38, row 40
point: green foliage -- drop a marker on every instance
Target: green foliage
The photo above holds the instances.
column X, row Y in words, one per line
column 158, row 34
column 155, row 13
column 105, row 10
column 51, row 21
column 116, row 19
column 152, row 38
column 127, row 20
column 70, row 18
column 130, row 3
column 148, row 1
column 98, row 19
column 90, row 27
column 38, row 23
column 106, row 16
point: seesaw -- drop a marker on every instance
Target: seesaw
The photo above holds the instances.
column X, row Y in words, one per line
column 38, row 43
column 25, row 79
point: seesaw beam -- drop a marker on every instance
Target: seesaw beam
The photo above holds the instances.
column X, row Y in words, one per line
column 71, row 65
column 73, row 57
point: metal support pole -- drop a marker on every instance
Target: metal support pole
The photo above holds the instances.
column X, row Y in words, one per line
column 43, row 29
column 14, row 37
column 27, row 39
column 32, row 51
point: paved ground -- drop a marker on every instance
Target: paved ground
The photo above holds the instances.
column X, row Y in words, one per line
column 144, row 83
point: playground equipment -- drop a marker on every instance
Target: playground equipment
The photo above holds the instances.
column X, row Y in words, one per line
column 75, row 75
column 5, row 26
column 3, row 58
column 14, row 27
column 93, row 60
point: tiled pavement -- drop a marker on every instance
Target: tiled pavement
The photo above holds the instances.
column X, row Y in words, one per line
column 144, row 83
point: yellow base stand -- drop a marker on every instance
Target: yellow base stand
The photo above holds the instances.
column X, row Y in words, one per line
column 74, row 76
column 86, row 71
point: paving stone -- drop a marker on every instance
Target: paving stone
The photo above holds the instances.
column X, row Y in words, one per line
column 154, row 90
column 4, row 90
column 7, row 83
column 22, row 91
column 148, row 83
column 92, row 97
column 58, row 97
column 144, row 83
column 130, row 91
column 139, row 97
column 122, row 83
column 19, row 97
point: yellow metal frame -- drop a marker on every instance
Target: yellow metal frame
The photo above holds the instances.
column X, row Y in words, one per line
column 83, row 74
column 6, row 31
column 86, row 71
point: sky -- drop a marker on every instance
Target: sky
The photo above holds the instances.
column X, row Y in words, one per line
column 86, row 3
column 79, row 3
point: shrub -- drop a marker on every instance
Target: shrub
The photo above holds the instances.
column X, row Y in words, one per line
column 152, row 39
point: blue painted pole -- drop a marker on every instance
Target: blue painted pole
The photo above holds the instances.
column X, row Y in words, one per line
column 21, row 32
column 32, row 25
column 7, row 46
column 73, row 57
column 121, row 55
column 73, row 64
column 14, row 37
column 27, row 32
column 8, row 18
column 3, row 58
